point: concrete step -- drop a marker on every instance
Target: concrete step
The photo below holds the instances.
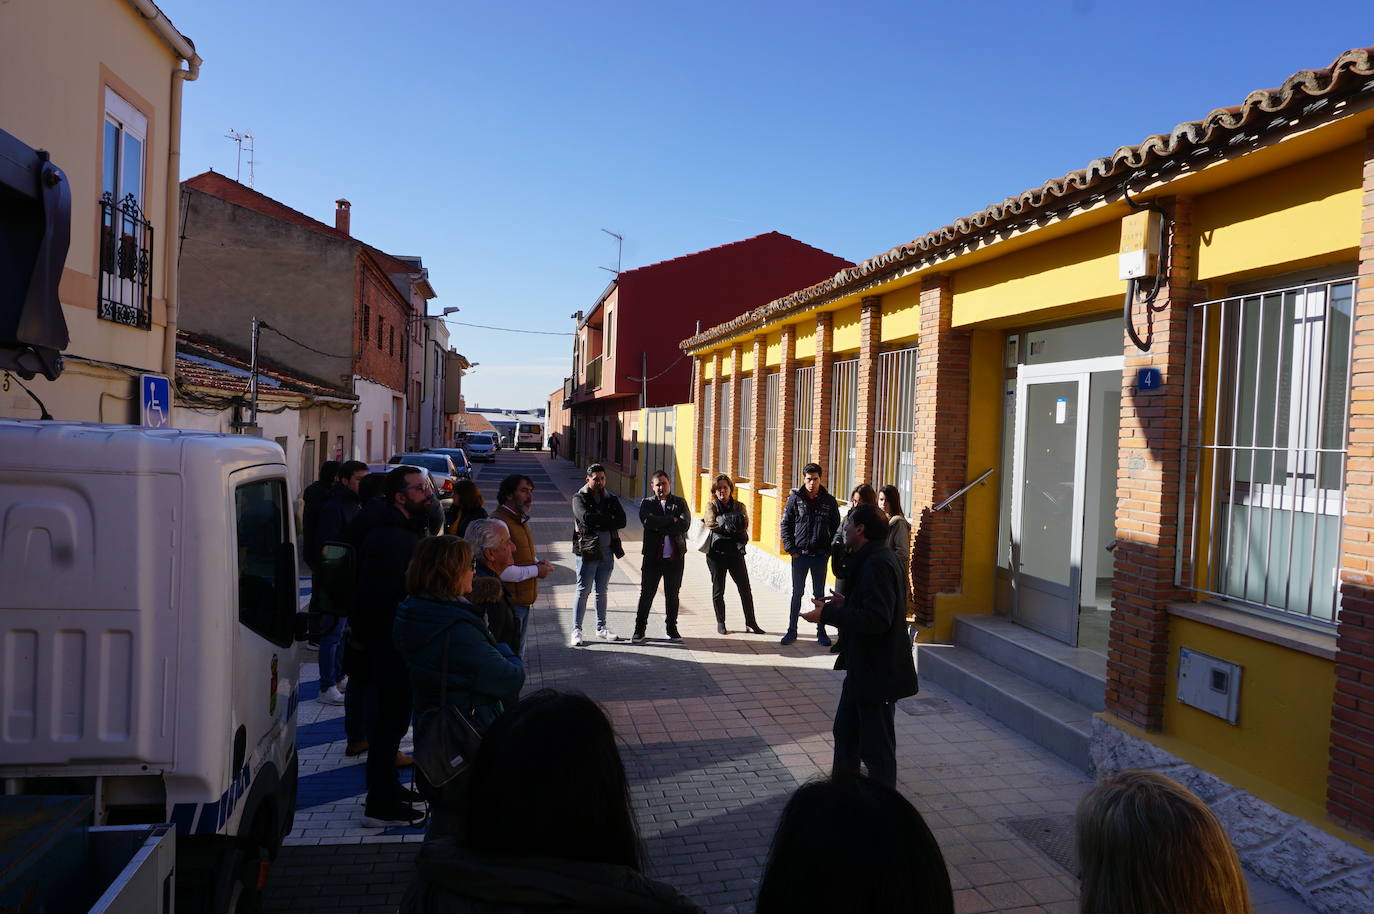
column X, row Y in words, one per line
column 1059, row 724
column 1074, row 673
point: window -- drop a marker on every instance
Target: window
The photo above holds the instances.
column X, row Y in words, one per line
column 803, row 387
column 707, row 409
column 744, row 452
column 770, row 427
column 725, row 430
column 1267, row 459
column 264, row 552
column 844, row 424
column 126, row 236
column 367, row 323
column 381, row 332
column 894, row 428
column 391, row 340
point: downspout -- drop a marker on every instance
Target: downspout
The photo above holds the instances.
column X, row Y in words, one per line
column 171, row 220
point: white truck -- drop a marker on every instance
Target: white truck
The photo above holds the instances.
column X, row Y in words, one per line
column 148, row 630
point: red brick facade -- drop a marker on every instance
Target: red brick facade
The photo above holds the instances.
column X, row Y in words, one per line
column 379, row 325
column 731, row 461
column 941, row 451
column 787, row 406
column 821, row 398
column 870, row 339
column 1350, row 783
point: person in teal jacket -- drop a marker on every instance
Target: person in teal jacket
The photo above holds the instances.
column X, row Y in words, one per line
column 484, row 675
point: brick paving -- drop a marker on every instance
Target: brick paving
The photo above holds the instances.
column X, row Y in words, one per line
column 716, row 733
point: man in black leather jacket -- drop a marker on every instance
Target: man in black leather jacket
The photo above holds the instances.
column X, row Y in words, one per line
column 598, row 519
column 809, row 520
column 665, row 517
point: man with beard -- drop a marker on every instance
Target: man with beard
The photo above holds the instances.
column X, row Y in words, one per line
column 598, row 519
column 385, row 534
column 515, row 498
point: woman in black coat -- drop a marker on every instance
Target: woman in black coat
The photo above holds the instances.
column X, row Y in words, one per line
column 728, row 522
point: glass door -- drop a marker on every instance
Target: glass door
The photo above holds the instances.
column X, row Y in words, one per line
column 1048, row 501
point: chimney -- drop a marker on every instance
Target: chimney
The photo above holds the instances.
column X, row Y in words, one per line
column 342, row 207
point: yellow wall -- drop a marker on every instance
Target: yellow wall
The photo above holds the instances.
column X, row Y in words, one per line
column 1284, row 730
column 770, row 508
column 805, row 347
column 846, row 330
column 684, row 447
column 901, row 314
column 1073, row 270
column 773, row 355
column 1307, row 213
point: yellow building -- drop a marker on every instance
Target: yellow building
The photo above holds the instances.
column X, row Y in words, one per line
column 1159, row 372
column 97, row 84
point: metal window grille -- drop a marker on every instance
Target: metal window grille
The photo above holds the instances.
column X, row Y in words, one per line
column 802, row 442
column 894, row 428
column 725, row 431
column 126, row 263
column 1264, row 473
column 707, row 409
column 744, row 452
column 770, row 427
column 844, row 423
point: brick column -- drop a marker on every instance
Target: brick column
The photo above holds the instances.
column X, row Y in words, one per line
column 713, row 446
column 758, row 410
column 870, row 338
column 1147, row 490
column 732, row 445
column 700, row 449
column 941, row 453
column 1350, row 784
column 820, row 400
column 787, row 425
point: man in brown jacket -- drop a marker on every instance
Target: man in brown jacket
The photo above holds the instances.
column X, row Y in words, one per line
column 515, row 497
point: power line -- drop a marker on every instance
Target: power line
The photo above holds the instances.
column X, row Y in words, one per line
column 332, row 355
column 513, row 330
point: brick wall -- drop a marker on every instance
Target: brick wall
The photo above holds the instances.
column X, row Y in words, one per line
column 941, row 453
column 1147, row 481
column 787, row 425
column 1350, row 783
column 759, row 408
column 387, row 313
column 731, row 456
column 700, row 448
column 821, row 397
column 870, row 338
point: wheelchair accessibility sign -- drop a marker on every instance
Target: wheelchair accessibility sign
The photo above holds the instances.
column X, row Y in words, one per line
column 156, row 399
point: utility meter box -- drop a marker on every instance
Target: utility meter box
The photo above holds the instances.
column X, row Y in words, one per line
column 1209, row 684
column 1139, row 255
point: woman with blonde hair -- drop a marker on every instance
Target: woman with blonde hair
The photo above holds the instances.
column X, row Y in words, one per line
column 1146, row 845
column 728, row 522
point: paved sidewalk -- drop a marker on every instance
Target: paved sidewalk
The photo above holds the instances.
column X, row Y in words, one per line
column 716, row 734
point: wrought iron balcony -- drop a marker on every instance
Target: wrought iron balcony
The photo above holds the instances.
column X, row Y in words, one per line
column 126, row 263
column 592, row 375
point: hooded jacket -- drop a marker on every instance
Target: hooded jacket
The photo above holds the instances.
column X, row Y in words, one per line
column 455, row 879
column 482, row 672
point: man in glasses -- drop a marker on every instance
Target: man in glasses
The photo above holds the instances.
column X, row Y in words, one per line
column 384, row 535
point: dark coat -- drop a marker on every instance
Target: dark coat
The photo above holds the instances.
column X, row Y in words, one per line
column 384, row 539
column 729, row 526
column 660, row 521
column 332, row 520
column 875, row 649
column 590, row 518
column 808, row 525
column 482, row 672
column 454, row 879
column 312, row 499
column 493, row 604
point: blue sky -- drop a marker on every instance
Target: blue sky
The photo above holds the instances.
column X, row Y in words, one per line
column 496, row 140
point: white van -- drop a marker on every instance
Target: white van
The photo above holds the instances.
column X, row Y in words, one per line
column 148, row 628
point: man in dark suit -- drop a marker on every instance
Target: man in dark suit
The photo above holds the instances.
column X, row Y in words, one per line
column 665, row 517
column 875, row 649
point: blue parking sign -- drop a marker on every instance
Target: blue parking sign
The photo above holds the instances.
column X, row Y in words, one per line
column 157, row 400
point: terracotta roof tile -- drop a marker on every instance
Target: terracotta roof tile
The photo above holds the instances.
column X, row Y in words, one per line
column 209, row 364
column 1348, row 74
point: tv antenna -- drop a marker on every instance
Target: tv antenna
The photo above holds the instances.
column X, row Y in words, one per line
column 619, row 247
column 244, row 142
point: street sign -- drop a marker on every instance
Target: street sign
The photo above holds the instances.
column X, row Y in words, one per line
column 156, row 398
column 1148, row 379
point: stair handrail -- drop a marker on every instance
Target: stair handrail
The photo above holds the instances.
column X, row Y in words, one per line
column 960, row 494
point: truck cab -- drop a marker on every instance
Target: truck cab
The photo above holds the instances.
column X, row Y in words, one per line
column 149, row 625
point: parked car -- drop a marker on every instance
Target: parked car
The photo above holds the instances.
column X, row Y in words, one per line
column 481, row 446
column 459, row 458
column 442, row 473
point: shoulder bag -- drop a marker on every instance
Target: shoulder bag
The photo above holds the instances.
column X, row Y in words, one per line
column 446, row 741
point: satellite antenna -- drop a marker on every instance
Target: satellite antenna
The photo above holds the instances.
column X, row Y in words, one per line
column 619, row 246
column 244, row 141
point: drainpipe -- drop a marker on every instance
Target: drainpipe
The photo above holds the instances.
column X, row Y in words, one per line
column 171, row 221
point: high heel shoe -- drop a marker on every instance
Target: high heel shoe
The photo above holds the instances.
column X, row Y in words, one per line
column 754, row 628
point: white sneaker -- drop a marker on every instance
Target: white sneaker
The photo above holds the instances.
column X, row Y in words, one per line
column 342, row 684
column 605, row 634
column 576, row 639
column 331, row 696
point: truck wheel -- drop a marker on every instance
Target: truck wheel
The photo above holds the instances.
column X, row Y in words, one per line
column 236, row 885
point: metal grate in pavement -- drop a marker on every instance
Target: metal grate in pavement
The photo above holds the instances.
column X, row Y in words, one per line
column 1051, row 836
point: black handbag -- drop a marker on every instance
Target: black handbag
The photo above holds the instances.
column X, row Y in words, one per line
column 446, row 740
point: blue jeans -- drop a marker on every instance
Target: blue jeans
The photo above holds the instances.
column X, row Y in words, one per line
column 522, row 622
column 589, row 573
column 802, row 565
column 331, row 652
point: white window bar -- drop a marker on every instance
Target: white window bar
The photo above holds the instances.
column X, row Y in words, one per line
column 802, row 454
column 844, row 425
column 1264, row 470
column 745, row 450
column 770, row 428
column 707, row 399
column 894, row 427
column 725, row 431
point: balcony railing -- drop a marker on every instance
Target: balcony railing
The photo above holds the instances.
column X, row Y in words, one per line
column 592, row 376
column 126, row 263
